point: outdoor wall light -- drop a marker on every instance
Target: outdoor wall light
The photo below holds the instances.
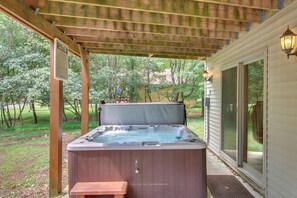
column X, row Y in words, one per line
column 288, row 42
column 207, row 76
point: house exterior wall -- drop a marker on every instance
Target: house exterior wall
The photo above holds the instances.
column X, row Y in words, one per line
column 281, row 104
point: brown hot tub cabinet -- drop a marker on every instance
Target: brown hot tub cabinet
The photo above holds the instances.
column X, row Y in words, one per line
column 172, row 173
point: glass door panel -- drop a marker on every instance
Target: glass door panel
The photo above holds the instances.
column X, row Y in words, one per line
column 229, row 112
column 253, row 109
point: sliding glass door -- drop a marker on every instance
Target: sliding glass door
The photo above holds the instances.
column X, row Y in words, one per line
column 229, row 112
column 242, row 117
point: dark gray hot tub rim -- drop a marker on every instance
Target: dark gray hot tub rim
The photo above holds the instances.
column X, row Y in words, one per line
column 82, row 143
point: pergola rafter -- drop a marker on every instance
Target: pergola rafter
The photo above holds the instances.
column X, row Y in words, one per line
column 149, row 16
column 255, row 4
column 182, row 36
column 186, row 23
column 179, row 24
column 152, row 49
column 112, row 45
column 189, row 44
column 145, row 54
column 128, row 8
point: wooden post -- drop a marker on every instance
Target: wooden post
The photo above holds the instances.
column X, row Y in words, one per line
column 56, row 121
column 85, row 88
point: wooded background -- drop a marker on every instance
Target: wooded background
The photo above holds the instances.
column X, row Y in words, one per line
column 24, row 77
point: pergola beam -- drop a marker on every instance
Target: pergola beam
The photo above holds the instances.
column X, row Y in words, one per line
column 27, row 17
column 147, row 52
column 189, row 37
column 114, row 45
column 149, row 12
column 190, row 23
column 169, row 43
column 56, row 121
column 85, row 73
column 141, row 54
column 148, row 48
column 255, row 4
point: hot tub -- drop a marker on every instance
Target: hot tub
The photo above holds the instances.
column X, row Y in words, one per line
column 157, row 161
column 137, row 137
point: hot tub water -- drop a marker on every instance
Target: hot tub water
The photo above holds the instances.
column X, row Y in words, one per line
column 137, row 135
column 130, row 134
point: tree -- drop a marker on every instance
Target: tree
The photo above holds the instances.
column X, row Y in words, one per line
column 24, row 79
column 152, row 73
column 255, row 80
column 72, row 89
column 24, row 76
column 115, row 77
column 185, row 81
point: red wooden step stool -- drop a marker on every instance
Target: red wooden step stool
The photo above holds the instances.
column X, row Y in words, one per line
column 118, row 189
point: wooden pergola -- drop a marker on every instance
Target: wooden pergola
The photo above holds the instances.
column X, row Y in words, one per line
column 181, row 29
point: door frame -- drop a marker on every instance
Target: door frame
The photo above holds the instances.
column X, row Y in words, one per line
column 255, row 177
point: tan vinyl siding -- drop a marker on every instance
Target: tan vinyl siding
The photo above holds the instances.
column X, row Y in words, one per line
column 281, row 120
column 215, row 115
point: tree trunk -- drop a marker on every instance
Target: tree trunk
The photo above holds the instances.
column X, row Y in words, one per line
column 64, row 114
column 145, row 92
column 20, row 117
column 34, row 112
column 74, row 109
column 176, row 97
column 14, row 114
column 96, row 111
column 77, row 105
column 149, row 96
column 1, row 116
column 182, row 96
column 202, row 105
column 21, row 109
column 4, row 117
column 9, row 120
column 146, row 87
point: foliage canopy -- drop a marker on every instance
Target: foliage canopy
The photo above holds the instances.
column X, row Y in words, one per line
column 24, row 76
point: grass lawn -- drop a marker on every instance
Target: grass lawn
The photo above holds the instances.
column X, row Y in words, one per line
column 197, row 126
column 24, row 153
column 194, row 110
column 24, row 158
